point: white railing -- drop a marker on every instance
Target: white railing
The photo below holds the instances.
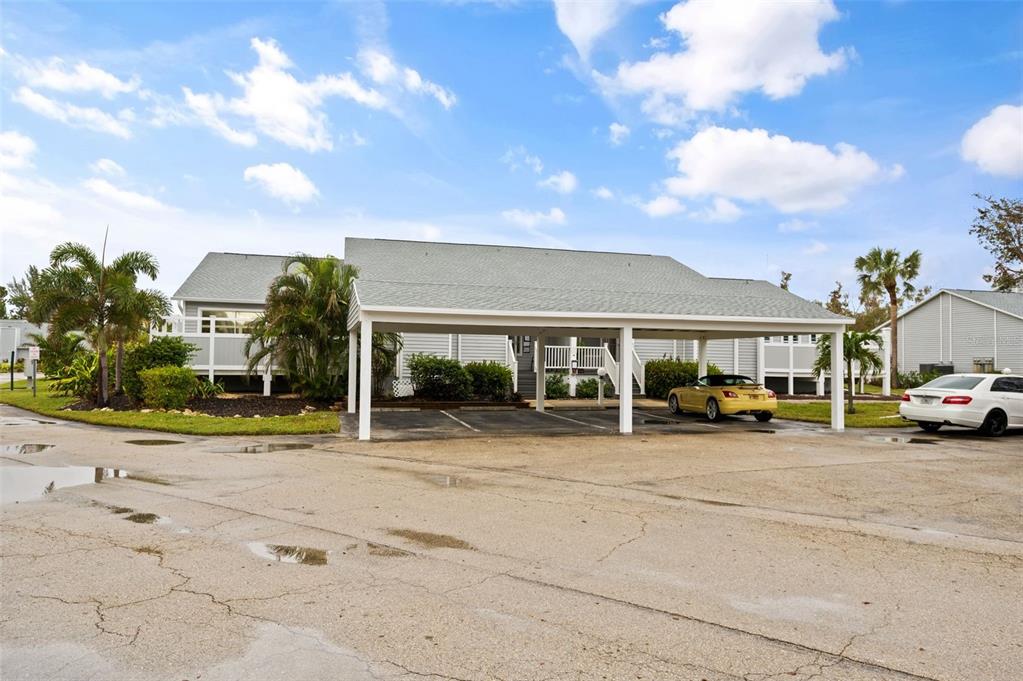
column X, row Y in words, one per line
column 560, row 357
column 512, row 363
column 220, row 342
column 611, row 367
column 639, row 371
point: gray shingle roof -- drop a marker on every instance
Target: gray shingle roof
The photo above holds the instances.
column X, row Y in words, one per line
column 415, row 274
column 1006, row 301
column 231, row 278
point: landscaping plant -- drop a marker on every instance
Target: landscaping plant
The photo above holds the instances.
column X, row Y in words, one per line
column 588, row 388
column 662, row 375
column 856, row 348
column 58, row 350
column 167, row 387
column 162, row 351
column 490, row 380
column 78, row 378
column 439, row 378
column 556, row 387
column 205, row 389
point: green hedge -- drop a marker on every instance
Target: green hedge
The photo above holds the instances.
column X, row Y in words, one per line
column 557, row 388
column 439, row 378
column 587, row 388
column 490, row 380
column 664, row 374
column 167, row 387
column 162, row 351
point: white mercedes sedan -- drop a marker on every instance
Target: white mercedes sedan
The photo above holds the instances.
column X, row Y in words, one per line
column 992, row 403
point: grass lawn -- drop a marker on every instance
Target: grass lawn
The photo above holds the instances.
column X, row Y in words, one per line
column 868, row 414
column 49, row 404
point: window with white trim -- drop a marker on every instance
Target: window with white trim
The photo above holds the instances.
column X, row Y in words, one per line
column 229, row 321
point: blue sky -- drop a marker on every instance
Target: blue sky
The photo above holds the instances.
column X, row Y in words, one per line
column 741, row 139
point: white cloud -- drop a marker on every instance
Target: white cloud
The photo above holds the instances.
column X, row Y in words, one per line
column 89, row 118
column 584, row 21
column 382, row 70
column 283, row 181
column 277, row 104
column 16, row 150
column 796, row 225
column 105, row 166
column 661, row 206
column 530, row 219
column 995, row 142
column 56, row 74
column 730, row 49
column 353, row 139
column 720, row 210
column 816, row 248
column 617, row 133
column 519, row 157
column 752, row 165
column 123, row 197
column 603, row 193
column 563, row 182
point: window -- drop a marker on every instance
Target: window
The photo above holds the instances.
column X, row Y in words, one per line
column 229, row 321
column 954, row 382
column 1008, row 384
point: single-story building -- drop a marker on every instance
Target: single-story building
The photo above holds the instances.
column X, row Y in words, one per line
column 962, row 330
column 226, row 291
column 16, row 336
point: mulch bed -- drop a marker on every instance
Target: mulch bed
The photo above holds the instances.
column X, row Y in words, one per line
column 231, row 405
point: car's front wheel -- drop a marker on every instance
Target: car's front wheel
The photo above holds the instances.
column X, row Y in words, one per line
column 673, row 404
column 713, row 410
column 995, row 424
column 928, row 427
column 763, row 416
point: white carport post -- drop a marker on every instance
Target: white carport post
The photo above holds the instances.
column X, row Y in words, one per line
column 701, row 357
column 365, row 377
column 353, row 369
column 886, row 353
column 540, row 357
column 837, row 403
column 625, row 380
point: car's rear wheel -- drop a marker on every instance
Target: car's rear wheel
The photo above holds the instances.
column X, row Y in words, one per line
column 763, row 416
column 929, row 427
column 995, row 424
column 673, row 404
column 713, row 410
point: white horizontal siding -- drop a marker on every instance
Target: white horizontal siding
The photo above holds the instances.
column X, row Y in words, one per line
column 479, row 348
column 1009, row 338
column 439, row 344
column 651, row 348
column 973, row 333
column 920, row 335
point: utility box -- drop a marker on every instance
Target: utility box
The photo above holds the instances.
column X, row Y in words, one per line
column 942, row 368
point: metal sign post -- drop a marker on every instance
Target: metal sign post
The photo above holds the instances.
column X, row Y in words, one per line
column 12, row 369
column 33, row 355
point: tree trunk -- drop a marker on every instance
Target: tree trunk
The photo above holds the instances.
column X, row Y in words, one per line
column 893, row 319
column 118, row 363
column 104, row 372
column 852, row 408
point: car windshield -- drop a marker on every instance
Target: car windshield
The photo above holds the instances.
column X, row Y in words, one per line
column 954, row 382
column 727, row 379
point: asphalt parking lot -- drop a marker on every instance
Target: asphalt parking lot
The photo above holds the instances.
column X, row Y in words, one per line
column 423, row 424
column 732, row 554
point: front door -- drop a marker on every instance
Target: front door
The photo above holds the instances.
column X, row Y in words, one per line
column 523, row 346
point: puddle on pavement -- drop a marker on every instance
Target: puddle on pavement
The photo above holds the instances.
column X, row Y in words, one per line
column 151, row 479
column 283, row 553
column 120, row 510
column 433, row 541
column 23, row 449
column 262, row 449
column 147, row 519
column 27, row 483
column 714, row 502
column 385, row 551
column 25, row 421
column 154, row 443
column 900, row 439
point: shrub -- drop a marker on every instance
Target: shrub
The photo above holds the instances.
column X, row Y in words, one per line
column 664, row 374
column 162, row 351
column 167, row 387
column 205, row 388
column 78, row 378
column 57, row 351
column 915, row 379
column 439, row 378
column 588, row 387
column 19, row 365
column 557, row 388
column 490, row 380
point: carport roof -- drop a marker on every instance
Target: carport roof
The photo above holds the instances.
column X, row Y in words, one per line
column 429, row 276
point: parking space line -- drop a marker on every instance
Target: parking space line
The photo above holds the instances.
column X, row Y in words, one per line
column 581, row 423
column 458, row 420
column 657, row 416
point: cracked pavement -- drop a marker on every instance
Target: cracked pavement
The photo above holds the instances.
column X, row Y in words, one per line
column 740, row 555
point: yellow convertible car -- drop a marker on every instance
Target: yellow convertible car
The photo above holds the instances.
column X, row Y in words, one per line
column 724, row 394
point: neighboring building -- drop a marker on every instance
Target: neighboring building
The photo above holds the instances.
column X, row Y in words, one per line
column 963, row 331
column 16, row 336
column 226, row 291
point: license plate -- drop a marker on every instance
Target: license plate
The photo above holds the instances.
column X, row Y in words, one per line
column 928, row 400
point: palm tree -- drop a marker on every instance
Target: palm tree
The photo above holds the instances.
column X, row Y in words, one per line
column 79, row 291
column 132, row 315
column 856, row 347
column 304, row 328
column 886, row 272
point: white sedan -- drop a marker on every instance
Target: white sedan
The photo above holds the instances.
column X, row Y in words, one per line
column 992, row 403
